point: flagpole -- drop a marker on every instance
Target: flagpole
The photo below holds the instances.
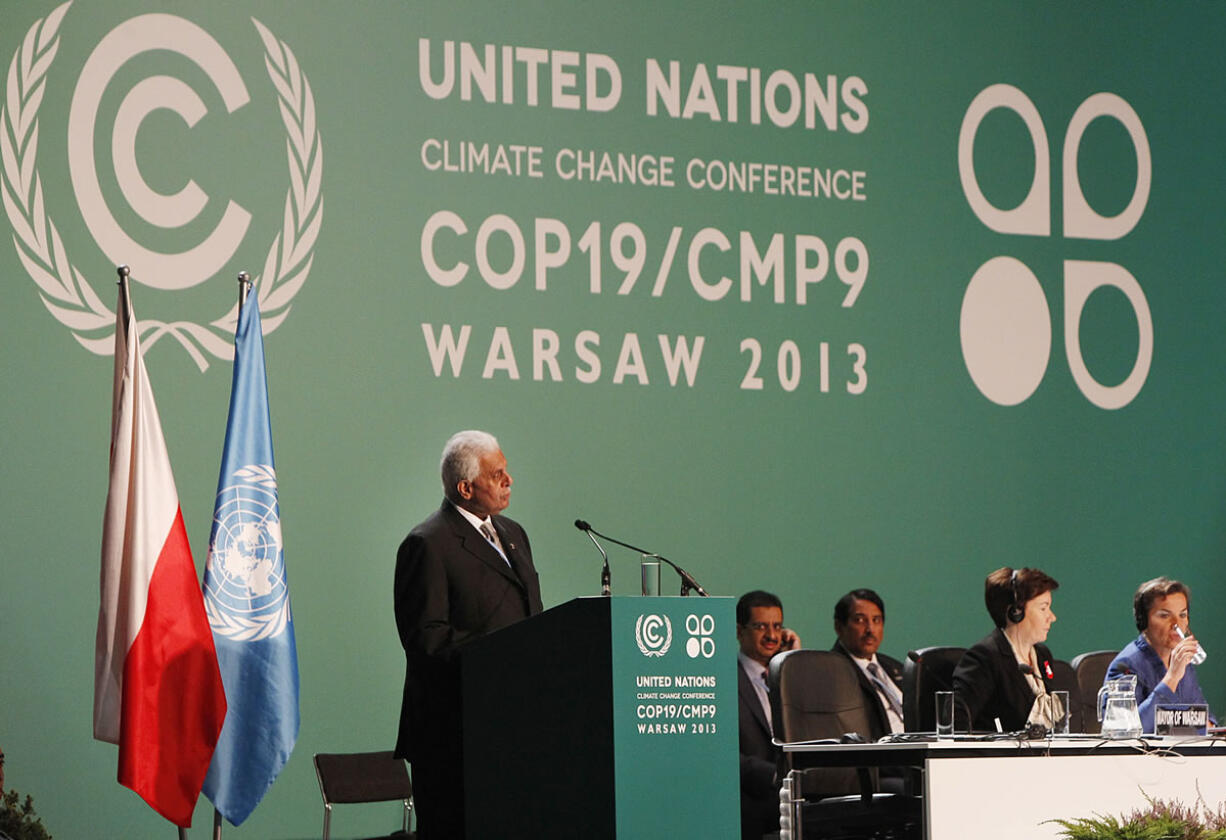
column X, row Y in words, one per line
column 262, row 714
column 244, row 287
column 123, row 271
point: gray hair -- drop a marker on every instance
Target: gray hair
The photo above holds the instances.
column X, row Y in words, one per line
column 462, row 459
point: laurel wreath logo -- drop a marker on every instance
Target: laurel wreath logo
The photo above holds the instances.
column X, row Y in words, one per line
column 259, row 474
column 240, row 629
column 647, row 634
column 64, row 289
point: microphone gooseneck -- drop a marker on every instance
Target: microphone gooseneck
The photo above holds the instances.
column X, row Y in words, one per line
column 688, row 582
column 605, row 577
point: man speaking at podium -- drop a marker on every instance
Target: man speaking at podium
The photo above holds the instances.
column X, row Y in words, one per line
column 462, row 573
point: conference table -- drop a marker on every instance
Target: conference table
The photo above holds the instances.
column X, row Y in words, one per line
column 1014, row 788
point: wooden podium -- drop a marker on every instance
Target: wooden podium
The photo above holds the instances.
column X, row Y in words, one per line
column 605, row 718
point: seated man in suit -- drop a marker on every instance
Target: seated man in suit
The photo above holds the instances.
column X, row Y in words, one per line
column 760, row 634
column 859, row 622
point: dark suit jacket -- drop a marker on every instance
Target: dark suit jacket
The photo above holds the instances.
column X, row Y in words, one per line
column 988, row 682
column 452, row 586
column 892, row 669
column 759, row 758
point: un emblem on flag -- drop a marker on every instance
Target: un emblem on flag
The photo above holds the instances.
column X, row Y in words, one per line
column 246, row 594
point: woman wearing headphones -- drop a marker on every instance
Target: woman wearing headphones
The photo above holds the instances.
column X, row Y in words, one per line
column 1164, row 656
column 1003, row 681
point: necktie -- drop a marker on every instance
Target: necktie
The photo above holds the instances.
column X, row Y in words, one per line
column 487, row 531
column 874, row 671
column 766, row 706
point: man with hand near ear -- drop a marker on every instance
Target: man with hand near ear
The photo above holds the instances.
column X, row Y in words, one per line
column 760, row 634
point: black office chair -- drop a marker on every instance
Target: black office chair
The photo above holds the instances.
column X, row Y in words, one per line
column 815, row 695
column 1091, row 670
column 925, row 672
column 364, row 777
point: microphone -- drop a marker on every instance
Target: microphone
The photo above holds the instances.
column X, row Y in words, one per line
column 604, row 572
column 687, row 580
column 1035, row 732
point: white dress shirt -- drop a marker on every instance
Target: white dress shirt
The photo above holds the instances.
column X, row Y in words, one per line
column 896, row 724
column 756, row 672
column 477, row 522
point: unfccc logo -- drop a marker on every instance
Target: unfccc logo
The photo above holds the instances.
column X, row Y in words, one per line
column 1005, row 323
column 65, row 291
column 654, row 634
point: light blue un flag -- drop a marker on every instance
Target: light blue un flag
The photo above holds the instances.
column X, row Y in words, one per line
column 246, row 595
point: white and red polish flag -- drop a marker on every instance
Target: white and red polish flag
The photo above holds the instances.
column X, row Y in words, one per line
column 157, row 687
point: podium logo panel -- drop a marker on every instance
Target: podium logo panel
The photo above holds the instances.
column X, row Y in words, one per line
column 654, row 634
column 702, row 636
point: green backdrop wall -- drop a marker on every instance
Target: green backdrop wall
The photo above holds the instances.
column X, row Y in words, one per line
column 787, row 334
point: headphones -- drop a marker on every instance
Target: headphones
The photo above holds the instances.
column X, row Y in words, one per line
column 1017, row 610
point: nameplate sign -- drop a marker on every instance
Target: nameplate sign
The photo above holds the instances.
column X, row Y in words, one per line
column 1181, row 719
